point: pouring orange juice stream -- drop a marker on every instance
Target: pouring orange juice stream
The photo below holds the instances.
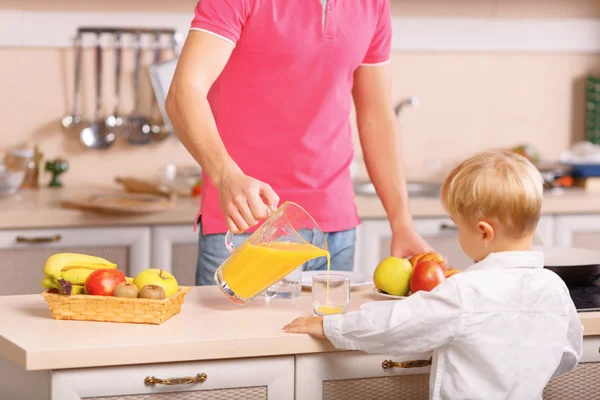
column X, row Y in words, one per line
column 246, row 276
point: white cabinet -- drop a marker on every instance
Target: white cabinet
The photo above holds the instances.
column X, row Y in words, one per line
column 175, row 249
column 23, row 252
column 375, row 237
column 578, row 231
column 252, row 379
column 440, row 233
column 357, row 376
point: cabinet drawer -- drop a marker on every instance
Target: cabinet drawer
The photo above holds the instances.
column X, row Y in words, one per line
column 253, row 378
column 354, row 375
column 23, row 252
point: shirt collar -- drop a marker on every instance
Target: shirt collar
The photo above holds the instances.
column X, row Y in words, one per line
column 510, row 259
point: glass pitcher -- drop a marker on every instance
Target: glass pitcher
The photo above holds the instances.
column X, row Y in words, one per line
column 288, row 238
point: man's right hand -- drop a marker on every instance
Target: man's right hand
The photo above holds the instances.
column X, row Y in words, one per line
column 245, row 201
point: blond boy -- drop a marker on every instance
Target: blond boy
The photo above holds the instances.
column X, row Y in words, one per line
column 503, row 327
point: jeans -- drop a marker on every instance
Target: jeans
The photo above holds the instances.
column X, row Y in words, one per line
column 212, row 253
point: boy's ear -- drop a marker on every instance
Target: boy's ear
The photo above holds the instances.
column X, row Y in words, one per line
column 486, row 231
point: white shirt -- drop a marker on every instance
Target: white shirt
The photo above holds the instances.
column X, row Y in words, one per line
column 499, row 330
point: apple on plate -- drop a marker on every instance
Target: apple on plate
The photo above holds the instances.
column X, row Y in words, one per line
column 392, row 276
column 158, row 277
column 426, row 276
column 103, row 282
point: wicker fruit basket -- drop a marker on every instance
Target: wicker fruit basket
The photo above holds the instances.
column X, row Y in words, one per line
column 84, row 307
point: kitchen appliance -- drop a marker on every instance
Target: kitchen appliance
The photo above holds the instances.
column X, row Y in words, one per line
column 288, row 238
column 580, row 270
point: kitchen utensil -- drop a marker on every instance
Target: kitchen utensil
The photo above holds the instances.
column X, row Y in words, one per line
column 138, row 131
column 287, row 239
column 10, row 180
column 133, row 185
column 357, row 279
column 330, row 293
column 161, row 75
column 119, row 203
column 114, row 121
column 575, row 266
column 159, row 130
column 97, row 135
column 75, row 121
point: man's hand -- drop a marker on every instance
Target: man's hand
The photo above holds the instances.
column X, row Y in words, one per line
column 244, row 200
column 407, row 242
column 309, row 325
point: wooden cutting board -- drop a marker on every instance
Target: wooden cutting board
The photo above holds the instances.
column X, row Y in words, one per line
column 120, row 203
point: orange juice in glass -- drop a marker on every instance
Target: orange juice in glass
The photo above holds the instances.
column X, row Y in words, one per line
column 277, row 248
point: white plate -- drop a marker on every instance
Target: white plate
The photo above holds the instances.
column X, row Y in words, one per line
column 390, row 296
column 356, row 278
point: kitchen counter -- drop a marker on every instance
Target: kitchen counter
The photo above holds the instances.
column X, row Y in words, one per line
column 209, row 327
column 37, row 209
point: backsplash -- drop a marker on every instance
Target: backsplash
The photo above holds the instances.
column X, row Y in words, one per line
column 467, row 101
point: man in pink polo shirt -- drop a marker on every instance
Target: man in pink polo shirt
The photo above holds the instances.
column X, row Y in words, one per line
column 261, row 98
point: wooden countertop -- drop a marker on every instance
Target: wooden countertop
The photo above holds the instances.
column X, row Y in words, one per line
column 38, row 209
column 208, row 327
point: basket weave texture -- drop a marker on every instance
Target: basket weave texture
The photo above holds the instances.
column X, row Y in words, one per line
column 84, row 307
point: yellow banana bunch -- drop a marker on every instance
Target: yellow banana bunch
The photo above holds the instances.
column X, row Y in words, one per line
column 67, row 270
column 76, row 276
column 50, row 283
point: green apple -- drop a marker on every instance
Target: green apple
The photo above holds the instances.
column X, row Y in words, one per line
column 392, row 276
column 158, row 277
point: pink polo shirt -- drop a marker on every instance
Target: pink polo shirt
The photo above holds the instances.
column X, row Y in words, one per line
column 282, row 103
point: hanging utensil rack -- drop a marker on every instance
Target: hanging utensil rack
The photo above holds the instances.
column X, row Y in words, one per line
column 124, row 38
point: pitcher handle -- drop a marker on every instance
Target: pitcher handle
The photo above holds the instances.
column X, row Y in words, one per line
column 229, row 235
column 229, row 242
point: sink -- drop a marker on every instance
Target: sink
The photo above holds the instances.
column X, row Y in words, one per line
column 415, row 189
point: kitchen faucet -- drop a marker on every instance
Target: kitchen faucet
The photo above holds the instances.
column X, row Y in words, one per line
column 411, row 101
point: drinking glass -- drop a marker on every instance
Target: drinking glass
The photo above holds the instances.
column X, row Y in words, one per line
column 333, row 299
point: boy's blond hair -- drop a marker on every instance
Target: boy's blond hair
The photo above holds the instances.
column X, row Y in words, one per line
column 496, row 185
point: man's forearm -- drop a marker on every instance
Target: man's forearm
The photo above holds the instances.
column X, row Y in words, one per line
column 192, row 119
column 382, row 153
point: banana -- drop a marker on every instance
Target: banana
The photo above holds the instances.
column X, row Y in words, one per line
column 67, row 288
column 78, row 289
column 128, row 279
column 60, row 262
column 76, row 276
column 49, row 283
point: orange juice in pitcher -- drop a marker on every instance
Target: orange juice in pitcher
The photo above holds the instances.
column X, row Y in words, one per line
column 272, row 252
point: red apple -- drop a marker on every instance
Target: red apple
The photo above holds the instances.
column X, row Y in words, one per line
column 103, row 282
column 426, row 275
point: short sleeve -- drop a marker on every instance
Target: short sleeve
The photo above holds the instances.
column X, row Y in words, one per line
column 381, row 43
column 223, row 18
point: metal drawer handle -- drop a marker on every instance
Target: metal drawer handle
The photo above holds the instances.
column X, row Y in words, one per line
column 199, row 378
column 448, row 227
column 388, row 364
column 40, row 239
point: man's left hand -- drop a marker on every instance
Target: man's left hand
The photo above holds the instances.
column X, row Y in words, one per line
column 407, row 242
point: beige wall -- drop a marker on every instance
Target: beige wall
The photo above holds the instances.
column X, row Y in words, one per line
column 467, row 101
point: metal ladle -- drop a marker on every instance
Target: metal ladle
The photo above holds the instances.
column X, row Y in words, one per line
column 159, row 130
column 75, row 121
column 97, row 135
column 138, row 131
column 114, row 121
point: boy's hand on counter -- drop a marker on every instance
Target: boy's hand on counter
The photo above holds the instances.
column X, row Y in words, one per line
column 309, row 325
